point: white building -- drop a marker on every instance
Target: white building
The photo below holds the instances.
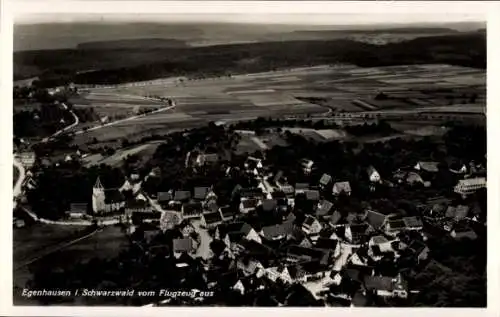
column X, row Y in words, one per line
column 470, row 185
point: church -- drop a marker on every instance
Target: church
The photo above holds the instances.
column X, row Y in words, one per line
column 106, row 200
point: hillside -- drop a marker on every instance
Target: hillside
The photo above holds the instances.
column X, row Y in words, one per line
column 132, row 44
column 116, row 66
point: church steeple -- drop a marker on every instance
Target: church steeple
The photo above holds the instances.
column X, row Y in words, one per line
column 98, row 184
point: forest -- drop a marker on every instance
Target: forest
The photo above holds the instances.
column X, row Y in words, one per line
column 56, row 67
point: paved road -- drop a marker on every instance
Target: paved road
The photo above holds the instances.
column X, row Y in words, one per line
column 20, row 180
column 59, row 132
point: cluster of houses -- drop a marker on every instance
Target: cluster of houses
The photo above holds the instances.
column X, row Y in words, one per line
column 323, row 250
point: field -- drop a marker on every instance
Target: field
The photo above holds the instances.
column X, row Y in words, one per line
column 301, row 91
column 104, row 244
column 117, row 158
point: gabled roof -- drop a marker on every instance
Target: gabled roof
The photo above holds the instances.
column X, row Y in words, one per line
column 396, row 224
column 375, row 219
column 201, row 192
column 378, row 283
column 325, row 179
column 164, row 196
column 458, row 212
column 312, row 195
column 301, row 186
column 251, row 192
column 370, row 170
column 342, row 187
column 212, row 217
column 227, row 211
column 379, row 239
column 78, row 207
column 427, row 166
column 324, row 208
column 250, row 203
column 192, row 208
column 417, row 246
column 335, row 218
column 412, row 222
column 275, row 231
column 238, row 227
column 182, row 245
column 182, row 195
column 269, row 204
column 309, row 220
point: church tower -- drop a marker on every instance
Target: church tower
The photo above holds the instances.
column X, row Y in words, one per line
column 98, row 204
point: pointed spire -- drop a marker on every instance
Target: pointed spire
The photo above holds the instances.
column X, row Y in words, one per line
column 98, row 184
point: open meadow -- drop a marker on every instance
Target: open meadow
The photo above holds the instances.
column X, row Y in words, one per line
column 300, row 91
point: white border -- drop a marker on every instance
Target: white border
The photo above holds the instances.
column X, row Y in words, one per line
column 10, row 8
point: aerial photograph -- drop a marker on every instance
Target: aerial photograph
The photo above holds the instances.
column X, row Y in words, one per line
column 277, row 160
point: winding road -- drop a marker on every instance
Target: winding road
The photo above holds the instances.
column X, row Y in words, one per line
column 20, row 180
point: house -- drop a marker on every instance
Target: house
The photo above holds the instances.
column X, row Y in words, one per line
column 253, row 163
column 458, row 168
column 191, row 210
column 252, row 192
column 227, row 213
column 413, row 178
column 420, row 250
column 248, row 205
column 206, row 159
column 430, row 167
column 325, row 180
column 386, row 286
column 164, row 197
column 470, row 185
column 289, row 274
column 393, row 227
column 235, row 232
column 182, row 195
column 77, row 210
column 307, row 166
column 211, row 219
column 106, row 200
column 457, row 213
column 200, row 193
column 373, row 175
column 328, row 244
column 376, row 219
column 413, row 223
column 335, row 218
column 311, row 225
column 183, row 245
column 269, row 205
column 341, row 187
column 301, row 188
column 250, row 266
column 463, row 231
column 275, row 232
column 27, row 158
column 355, row 234
column 137, row 206
column 312, row 195
column 324, row 208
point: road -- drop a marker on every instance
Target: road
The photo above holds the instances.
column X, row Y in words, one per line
column 57, row 133
column 20, row 180
column 124, row 120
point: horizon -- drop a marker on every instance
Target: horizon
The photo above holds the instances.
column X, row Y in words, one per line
column 258, row 19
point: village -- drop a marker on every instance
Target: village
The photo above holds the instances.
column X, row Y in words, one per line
column 269, row 232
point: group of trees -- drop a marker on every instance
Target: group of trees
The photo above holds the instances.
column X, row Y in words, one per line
column 44, row 121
